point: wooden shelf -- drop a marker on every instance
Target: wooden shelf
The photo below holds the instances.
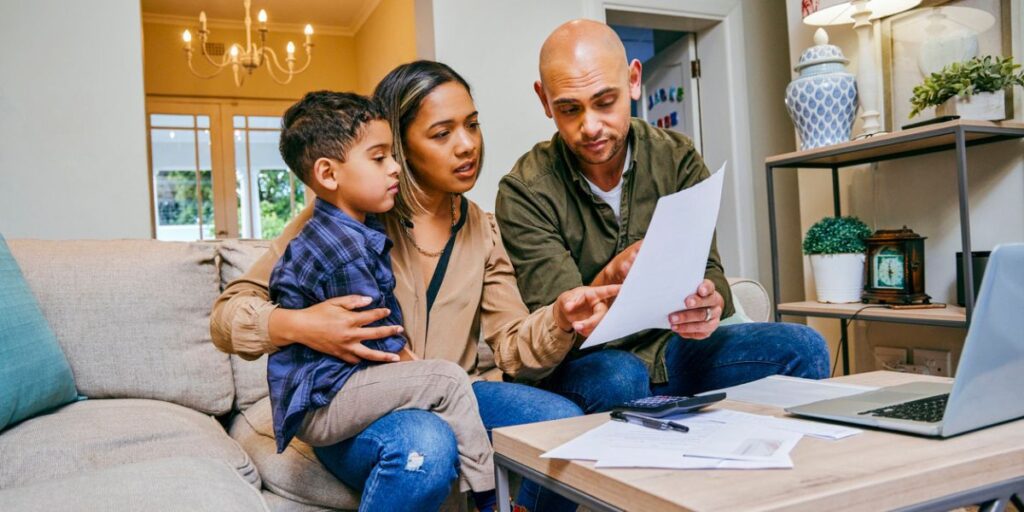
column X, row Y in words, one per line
column 917, row 141
column 950, row 316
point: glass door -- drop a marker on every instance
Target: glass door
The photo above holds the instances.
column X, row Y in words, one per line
column 216, row 170
column 269, row 195
column 182, row 172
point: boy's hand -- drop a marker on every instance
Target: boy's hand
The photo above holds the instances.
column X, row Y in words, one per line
column 407, row 355
column 581, row 309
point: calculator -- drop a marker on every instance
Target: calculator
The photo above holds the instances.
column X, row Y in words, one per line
column 661, row 405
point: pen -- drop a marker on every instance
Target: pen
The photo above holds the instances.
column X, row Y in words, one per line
column 648, row 422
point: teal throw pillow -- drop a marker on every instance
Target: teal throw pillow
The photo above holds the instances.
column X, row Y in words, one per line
column 34, row 374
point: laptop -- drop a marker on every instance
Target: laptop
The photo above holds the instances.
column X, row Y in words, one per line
column 986, row 390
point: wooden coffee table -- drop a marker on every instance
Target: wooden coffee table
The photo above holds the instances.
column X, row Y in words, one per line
column 874, row 470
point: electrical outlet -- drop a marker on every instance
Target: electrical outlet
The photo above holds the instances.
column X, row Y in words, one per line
column 938, row 361
column 890, row 358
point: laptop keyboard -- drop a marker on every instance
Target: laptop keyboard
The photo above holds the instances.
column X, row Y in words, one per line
column 929, row 410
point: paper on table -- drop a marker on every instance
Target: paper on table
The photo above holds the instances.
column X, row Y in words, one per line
column 616, row 439
column 670, row 265
column 781, row 391
column 810, row 428
column 664, row 460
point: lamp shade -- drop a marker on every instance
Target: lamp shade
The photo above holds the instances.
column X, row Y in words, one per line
column 839, row 12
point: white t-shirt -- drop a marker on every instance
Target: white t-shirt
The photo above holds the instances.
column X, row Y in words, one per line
column 613, row 197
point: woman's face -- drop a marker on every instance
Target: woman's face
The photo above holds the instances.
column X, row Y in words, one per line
column 443, row 144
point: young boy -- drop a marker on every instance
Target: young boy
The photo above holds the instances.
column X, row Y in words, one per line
column 339, row 144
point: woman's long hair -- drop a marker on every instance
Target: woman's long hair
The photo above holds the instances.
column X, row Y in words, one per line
column 401, row 93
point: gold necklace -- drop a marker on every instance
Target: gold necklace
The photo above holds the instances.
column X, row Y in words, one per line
column 430, row 254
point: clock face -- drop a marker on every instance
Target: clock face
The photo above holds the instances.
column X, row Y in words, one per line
column 888, row 269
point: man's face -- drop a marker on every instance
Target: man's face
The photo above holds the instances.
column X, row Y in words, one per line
column 590, row 104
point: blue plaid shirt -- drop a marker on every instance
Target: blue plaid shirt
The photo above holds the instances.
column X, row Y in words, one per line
column 334, row 255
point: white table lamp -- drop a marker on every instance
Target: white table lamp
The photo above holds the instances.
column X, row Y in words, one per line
column 861, row 13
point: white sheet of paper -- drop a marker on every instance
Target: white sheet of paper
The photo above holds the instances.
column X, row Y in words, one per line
column 670, row 265
column 616, row 440
column 663, row 460
column 781, row 391
column 810, row 428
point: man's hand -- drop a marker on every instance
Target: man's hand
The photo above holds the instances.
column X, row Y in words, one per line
column 616, row 269
column 333, row 328
column 581, row 309
column 700, row 319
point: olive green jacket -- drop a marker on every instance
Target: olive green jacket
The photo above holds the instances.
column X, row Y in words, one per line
column 559, row 235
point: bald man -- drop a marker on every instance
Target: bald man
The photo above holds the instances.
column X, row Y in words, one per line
column 575, row 209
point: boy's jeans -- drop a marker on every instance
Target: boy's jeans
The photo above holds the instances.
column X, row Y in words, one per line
column 407, row 460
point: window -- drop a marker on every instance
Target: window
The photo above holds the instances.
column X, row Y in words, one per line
column 182, row 176
column 216, row 171
column 268, row 193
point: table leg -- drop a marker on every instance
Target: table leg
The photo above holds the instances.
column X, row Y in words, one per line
column 502, row 488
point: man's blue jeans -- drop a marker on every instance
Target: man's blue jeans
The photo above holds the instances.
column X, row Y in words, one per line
column 732, row 355
column 408, row 459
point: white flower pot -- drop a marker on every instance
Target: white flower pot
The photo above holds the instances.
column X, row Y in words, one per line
column 839, row 278
column 985, row 106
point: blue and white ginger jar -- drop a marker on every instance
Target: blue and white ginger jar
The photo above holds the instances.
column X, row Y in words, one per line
column 823, row 101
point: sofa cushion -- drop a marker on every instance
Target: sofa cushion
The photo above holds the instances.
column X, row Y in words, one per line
column 35, row 375
column 94, row 434
column 281, row 504
column 132, row 317
column 295, row 474
column 250, row 381
column 236, row 256
column 179, row 483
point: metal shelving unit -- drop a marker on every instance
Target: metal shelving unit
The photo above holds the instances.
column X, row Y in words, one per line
column 951, row 135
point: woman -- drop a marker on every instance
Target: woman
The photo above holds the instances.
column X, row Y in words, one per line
column 455, row 284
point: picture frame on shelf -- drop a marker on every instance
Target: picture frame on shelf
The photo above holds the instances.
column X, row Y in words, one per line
column 939, row 32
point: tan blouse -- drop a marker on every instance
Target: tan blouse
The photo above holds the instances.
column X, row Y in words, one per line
column 478, row 296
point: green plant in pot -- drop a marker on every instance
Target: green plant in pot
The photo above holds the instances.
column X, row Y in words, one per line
column 836, row 247
column 974, row 89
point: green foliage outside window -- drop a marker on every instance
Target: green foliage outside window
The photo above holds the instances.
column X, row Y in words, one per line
column 836, row 235
column 177, row 203
column 276, row 204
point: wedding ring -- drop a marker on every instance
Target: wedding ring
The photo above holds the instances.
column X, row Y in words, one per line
column 707, row 314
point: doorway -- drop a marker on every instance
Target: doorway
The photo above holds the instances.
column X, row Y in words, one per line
column 670, row 96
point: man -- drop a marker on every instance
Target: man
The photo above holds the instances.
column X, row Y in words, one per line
column 575, row 209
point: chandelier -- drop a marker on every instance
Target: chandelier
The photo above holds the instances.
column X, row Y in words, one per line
column 253, row 55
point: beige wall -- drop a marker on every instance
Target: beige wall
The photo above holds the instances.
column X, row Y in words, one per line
column 919, row 192
column 386, row 39
column 333, row 67
column 72, row 121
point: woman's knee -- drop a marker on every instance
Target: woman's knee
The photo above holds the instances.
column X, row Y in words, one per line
column 424, row 444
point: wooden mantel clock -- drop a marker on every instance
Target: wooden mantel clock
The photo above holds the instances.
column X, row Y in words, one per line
column 895, row 268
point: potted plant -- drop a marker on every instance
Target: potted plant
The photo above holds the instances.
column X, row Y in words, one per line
column 836, row 247
column 974, row 89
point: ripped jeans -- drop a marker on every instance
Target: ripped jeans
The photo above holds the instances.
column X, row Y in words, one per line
column 408, row 459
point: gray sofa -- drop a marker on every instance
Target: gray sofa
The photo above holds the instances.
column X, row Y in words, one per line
column 171, row 423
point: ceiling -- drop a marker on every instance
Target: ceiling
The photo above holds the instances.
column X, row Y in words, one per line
column 343, row 17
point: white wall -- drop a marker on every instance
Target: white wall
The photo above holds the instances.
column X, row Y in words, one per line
column 72, row 120
column 919, row 192
column 503, row 70
column 495, row 46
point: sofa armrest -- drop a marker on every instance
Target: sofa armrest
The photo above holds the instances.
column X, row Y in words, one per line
column 751, row 299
